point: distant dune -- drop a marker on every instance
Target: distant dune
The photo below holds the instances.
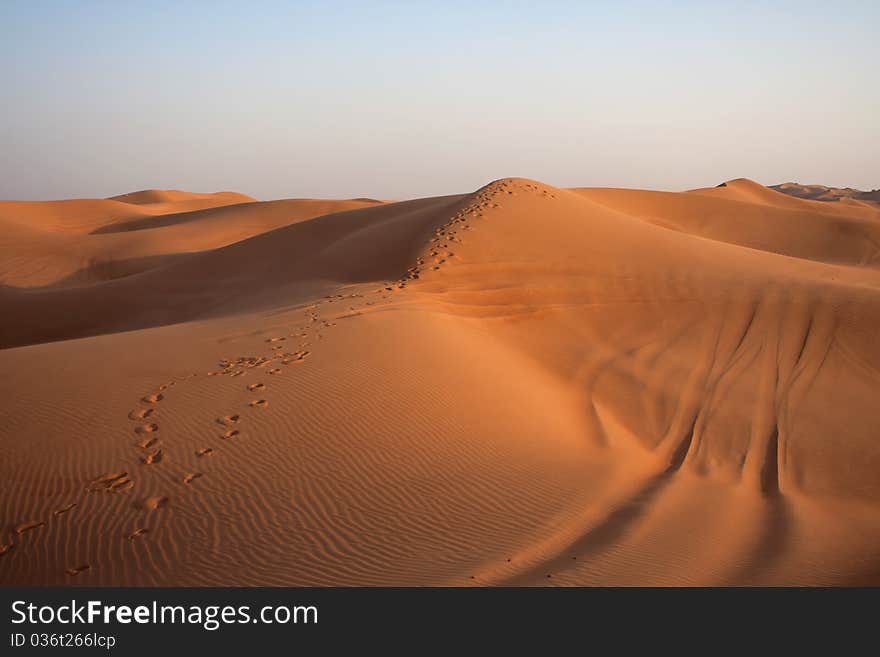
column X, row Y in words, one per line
column 822, row 193
column 67, row 243
column 519, row 385
column 163, row 196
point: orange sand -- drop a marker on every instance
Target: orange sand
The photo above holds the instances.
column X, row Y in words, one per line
column 522, row 385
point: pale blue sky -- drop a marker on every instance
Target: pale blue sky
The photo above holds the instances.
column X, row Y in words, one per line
column 406, row 99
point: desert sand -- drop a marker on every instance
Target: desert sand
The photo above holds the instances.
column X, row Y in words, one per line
column 824, row 193
column 522, row 385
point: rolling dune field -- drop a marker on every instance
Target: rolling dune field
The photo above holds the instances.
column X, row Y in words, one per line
column 521, row 385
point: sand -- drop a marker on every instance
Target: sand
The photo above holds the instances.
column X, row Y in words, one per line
column 521, row 385
column 824, row 193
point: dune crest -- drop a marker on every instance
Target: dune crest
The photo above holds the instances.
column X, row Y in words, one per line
column 519, row 385
column 164, row 196
column 823, row 193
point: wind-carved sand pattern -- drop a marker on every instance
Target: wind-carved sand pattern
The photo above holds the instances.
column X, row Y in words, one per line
column 115, row 482
column 122, row 480
column 233, row 422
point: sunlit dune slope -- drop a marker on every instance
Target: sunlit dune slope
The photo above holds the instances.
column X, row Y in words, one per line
column 177, row 196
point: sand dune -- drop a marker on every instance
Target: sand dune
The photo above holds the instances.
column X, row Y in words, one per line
column 823, row 193
column 48, row 248
column 520, row 385
column 167, row 196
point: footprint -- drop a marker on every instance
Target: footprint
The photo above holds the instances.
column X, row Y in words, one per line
column 153, row 399
column 63, row 510
column 28, row 526
column 230, row 434
column 259, row 403
column 152, row 457
column 78, row 569
column 147, row 428
column 108, row 478
column 205, row 451
column 227, row 420
column 296, row 357
column 136, row 533
column 121, row 486
column 140, row 413
column 189, row 477
column 155, row 502
column 116, row 482
column 146, row 443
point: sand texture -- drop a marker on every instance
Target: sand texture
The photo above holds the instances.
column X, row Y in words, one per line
column 520, row 385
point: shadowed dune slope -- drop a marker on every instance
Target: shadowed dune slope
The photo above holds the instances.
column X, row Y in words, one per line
column 521, row 385
column 85, row 215
column 36, row 256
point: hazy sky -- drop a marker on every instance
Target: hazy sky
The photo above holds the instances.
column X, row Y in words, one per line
column 405, row 99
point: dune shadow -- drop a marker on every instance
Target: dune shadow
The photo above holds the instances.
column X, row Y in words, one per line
column 173, row 219
column 100, row 270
